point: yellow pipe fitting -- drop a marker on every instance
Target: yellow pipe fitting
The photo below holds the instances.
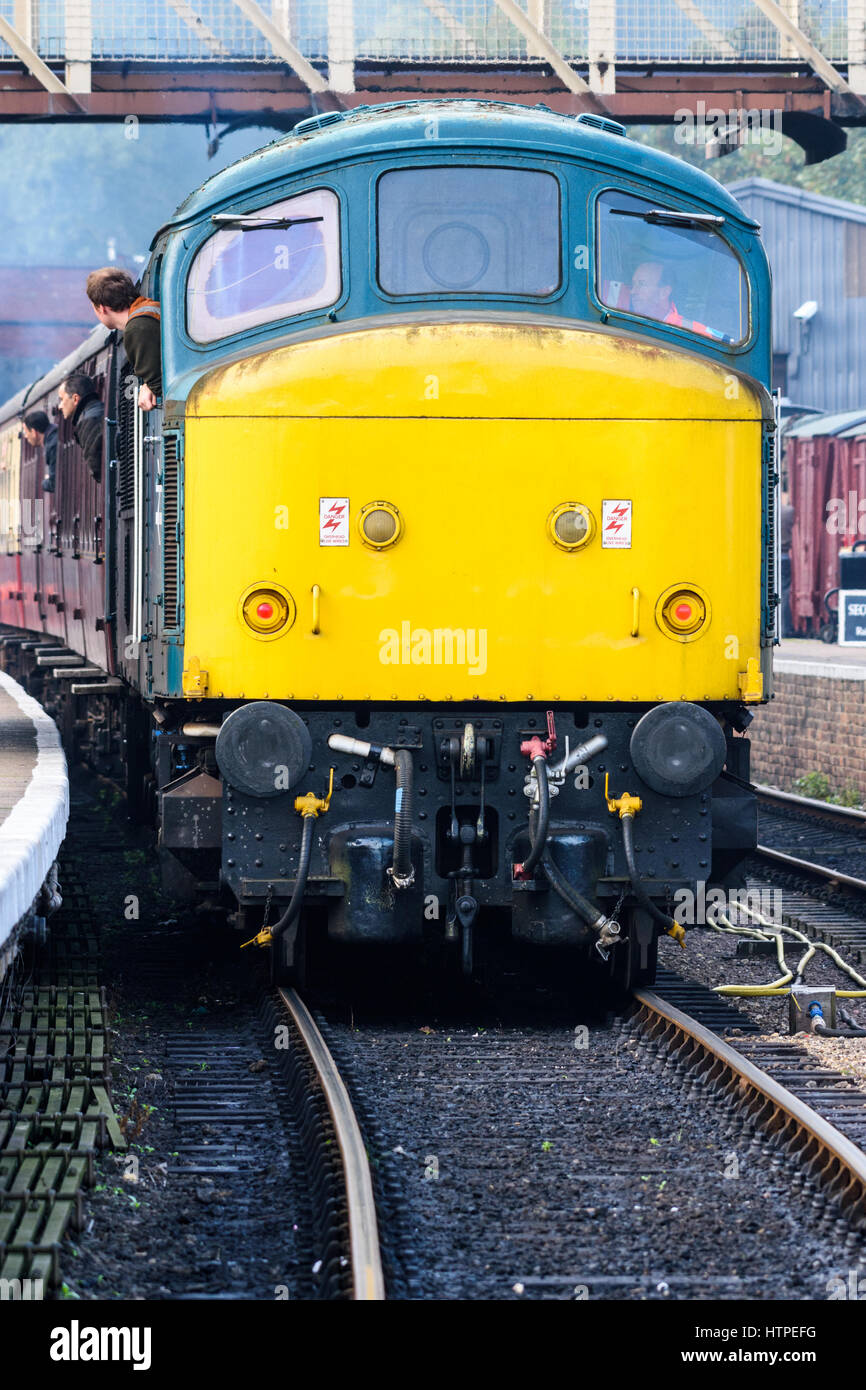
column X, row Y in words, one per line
column 311, row 805
column 262, row 938
column 627, row 805
column 678, row 932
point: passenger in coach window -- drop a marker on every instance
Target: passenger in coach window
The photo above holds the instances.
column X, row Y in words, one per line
column 40, row 432
column 118, row 304
column 80, row 404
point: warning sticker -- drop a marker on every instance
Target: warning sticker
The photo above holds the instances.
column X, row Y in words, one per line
column 616, row 525
column 333, row 521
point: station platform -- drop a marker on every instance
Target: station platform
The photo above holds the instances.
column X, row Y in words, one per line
column 809, row 657
column 34, row 805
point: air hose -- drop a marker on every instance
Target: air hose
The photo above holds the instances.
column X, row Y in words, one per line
column 542, row 817
column 580, row 905
column 401, row 871
column 637, row 887
column 816, row 1013
column 294, row 907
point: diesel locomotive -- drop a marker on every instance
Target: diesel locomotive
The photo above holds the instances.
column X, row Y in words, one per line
column 436, row 596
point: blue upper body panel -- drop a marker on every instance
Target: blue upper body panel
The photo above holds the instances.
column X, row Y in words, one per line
column 350, row 154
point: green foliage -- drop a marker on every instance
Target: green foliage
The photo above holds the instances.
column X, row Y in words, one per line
column 843, row 176
column 817, row 786
column 849, row 797
column 813, row 784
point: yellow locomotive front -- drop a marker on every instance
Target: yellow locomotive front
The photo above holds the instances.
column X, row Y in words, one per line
column 486, row 546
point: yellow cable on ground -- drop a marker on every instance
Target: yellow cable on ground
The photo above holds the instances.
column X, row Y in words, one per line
column 775, row 986
column 768, row 931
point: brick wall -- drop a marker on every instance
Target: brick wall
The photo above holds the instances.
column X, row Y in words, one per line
column 814, row 724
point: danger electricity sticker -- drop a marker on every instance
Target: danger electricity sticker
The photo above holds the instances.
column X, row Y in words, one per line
column 616, row 525
column 333, row 521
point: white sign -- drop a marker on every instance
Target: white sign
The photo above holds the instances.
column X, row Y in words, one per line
column 852, row 618
column 616, row 525
column 333, row 521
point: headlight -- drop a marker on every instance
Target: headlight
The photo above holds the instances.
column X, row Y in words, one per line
column 571, row 525
column 678, row 749
column 263, row 748
column 380, row 525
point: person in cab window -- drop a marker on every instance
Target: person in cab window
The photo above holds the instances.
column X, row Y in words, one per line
column 39, row 432
column 118, row 304
column 80, row 404
column 650, row 294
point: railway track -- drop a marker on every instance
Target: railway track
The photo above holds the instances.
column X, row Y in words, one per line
column 817, row 852
column 512, row 1163
column 236, row 1136
column 347, row 1227
column 822, row 843
column 514, row 1157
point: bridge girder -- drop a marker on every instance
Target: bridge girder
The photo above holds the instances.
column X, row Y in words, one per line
column 276, row 97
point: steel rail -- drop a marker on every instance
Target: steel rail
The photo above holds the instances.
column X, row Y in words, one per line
column 808, row 866
column 809, row 803
column 831, row 1157
column 368, row 1280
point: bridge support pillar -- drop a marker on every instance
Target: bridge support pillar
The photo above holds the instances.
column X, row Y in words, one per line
column 341, row 45
column 857, row 46
column 78, row 44
column 602, row 45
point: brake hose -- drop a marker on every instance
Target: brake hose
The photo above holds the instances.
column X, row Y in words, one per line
column 297, row 897
column 538, row 841
column 401, row 872
column 637, row 887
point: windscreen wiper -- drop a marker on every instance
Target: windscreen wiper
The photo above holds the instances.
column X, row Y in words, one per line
column 248, row 222
column 664, row 217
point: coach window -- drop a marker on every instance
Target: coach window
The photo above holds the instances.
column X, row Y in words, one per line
column 469, row 230
column 280, row 260
column 670, row 266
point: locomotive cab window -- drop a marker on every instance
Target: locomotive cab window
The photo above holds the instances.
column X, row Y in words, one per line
column 469, row 230
column 678, row 271
column 260, row 266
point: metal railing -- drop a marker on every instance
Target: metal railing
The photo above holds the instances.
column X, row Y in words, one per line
column 679, row 32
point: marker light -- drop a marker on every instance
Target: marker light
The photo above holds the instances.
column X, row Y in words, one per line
column 682, row 612
column 267, row 612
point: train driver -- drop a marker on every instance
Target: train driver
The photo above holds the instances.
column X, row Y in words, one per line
column 117, row 303
column 650, row 295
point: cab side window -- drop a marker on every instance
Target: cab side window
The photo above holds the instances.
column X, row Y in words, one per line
column 685, row 275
